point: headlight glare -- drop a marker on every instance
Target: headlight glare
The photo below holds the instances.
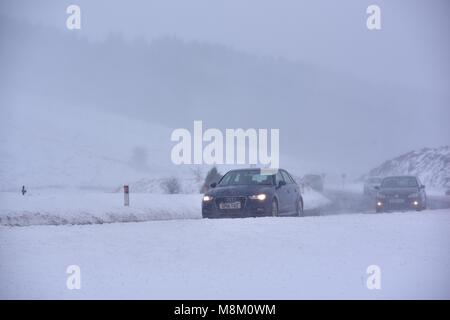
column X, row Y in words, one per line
column 207, row 198
column 260, row 197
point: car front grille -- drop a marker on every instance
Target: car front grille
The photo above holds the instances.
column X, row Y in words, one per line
column 230, row 199
column 396, row 196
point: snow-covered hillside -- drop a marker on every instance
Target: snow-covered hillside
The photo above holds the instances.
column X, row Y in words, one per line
column 432, row 165
column 63, row 147
column 66, row 148
column 173, row 82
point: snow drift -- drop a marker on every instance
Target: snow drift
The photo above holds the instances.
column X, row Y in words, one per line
column 65, row 208
column 266, row 258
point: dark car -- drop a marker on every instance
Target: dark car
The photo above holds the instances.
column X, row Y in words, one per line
column 315, row 181
column 251, row 193
column 401, row 193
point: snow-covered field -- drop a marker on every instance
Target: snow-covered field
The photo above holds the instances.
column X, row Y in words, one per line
column 264, row 258
column 55, row 208
column 90, row 208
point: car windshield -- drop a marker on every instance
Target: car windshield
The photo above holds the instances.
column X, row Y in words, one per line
column 399, row 182
column 246, row 177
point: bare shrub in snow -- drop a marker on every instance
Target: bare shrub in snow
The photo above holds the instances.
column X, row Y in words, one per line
column 171, row 185
column 197, row 172
column 212, row 176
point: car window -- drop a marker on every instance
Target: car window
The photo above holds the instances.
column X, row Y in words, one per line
column 226, row 179
column 286, row 177
column 250, row 177
column 290, row 177
column 278, row 177
column 419, row 182
column 399, row 182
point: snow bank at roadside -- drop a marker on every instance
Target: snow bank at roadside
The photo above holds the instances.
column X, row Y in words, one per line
column 94, row 208
column 267, row 258
column 97, row 208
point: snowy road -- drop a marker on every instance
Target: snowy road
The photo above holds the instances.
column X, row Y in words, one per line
column 62, row 208
column 264, row 258
column 355, row 202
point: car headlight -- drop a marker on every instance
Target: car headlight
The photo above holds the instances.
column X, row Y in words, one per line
column 414, row 195
column 260, row 197
column 207, row 198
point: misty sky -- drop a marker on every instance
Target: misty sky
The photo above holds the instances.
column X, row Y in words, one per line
column 319, row 32
column 410, row 54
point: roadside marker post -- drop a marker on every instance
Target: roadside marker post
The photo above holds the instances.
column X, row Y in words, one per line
column 126, row 196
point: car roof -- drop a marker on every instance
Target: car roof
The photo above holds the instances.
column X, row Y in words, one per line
column 397, row 177
column 253, row 169
column 404, row 176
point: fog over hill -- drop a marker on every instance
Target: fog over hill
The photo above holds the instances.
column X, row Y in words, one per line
column 328, row 121
column 432, row 165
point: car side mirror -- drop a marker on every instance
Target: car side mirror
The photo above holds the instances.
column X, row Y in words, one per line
column 281, row 183
column 213, row 185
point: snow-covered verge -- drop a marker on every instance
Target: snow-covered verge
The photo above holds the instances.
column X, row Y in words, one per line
column 267, row 258
column 91, row 208
column 59, row 208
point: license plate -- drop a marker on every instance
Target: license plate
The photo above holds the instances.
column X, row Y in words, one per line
column 230, row 205
column 397, row 201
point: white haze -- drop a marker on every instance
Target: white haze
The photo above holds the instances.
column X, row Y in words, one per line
column 344, row 99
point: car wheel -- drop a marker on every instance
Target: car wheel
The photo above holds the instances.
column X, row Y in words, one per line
column 274, row 208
